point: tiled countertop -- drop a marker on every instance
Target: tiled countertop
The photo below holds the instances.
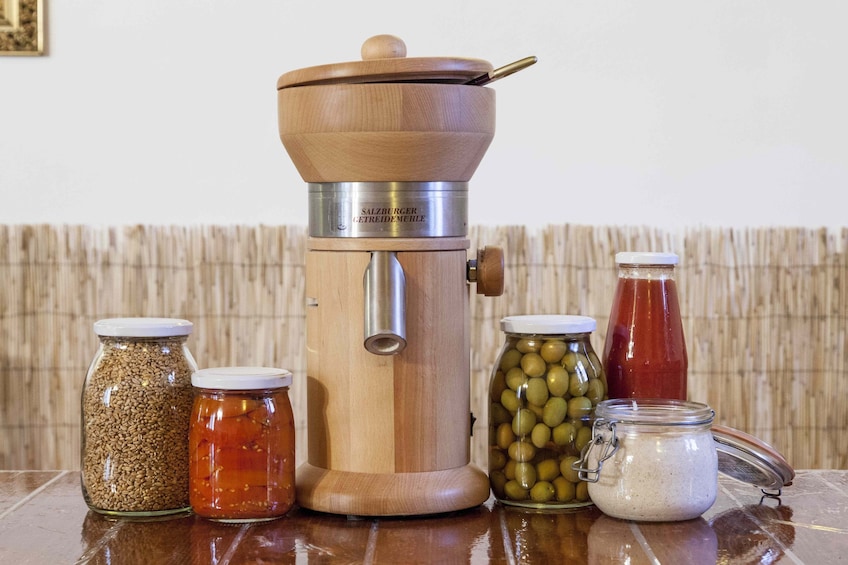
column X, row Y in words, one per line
column 43, row 520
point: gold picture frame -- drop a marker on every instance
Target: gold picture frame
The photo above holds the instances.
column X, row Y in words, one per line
column 21, row 27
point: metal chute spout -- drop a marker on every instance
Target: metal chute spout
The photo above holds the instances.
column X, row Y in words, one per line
column 385, row 304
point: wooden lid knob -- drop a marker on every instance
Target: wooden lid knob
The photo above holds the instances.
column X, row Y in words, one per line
column 490, row 271
column 383, row 47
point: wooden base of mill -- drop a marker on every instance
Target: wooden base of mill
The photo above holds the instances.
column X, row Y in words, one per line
column 393, row 494
column 389, row 435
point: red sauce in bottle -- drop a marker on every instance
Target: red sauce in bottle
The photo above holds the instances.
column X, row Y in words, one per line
column 645, row 349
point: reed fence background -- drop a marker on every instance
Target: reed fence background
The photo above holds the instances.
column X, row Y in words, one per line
column 765, row 312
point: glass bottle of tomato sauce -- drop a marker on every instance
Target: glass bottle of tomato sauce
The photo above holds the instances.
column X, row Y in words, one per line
column 241, row 444
column 645, row 349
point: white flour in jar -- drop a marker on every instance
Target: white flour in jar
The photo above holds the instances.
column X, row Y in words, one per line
column 666, row 475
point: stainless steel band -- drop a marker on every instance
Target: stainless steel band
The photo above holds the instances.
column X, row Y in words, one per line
column 388, row 209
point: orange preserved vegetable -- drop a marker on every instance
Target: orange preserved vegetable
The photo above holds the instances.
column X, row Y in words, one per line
column 242, row 445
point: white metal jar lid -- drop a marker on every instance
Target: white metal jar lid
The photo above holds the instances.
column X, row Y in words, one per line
column 142, row 327
column 241, row 378
column 646, row 258
column 548, row 324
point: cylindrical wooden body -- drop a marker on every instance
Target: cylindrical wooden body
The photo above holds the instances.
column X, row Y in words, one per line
column 389, row 434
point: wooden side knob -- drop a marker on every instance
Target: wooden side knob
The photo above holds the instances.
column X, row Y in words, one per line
column 488, row 271
column 383, row 47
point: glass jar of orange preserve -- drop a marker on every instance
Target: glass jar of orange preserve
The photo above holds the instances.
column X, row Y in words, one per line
column 241, row 443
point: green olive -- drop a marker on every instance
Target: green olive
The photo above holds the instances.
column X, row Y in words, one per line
column 509, row 470
column 596, row 363
column 510, row 359
column 553, row 350
column 498, row 414
column 504, row 435
column 569, row 361
column 527, row 345
column 521, row 451
column 498, row 385
column 509, row 400
column 541, row 435
column 533, row 364
column 537, row 410
column 542, row 491
column 579, row 407
column 584, row 436
column 582, row 491
column 523, row 422
column 564, row 434
column 525, row 474
column 547, row 470
column 554, row 411
column 583, row 360
column 497, row 459
column 537, row 391
column 514, row 378
column 566, row 470
column 557, row 380
column 497, row 480
column 564, row 489
column 595, row 391
column 581, row 363
column 515, row 491
column 601, row 374
column 578, row 383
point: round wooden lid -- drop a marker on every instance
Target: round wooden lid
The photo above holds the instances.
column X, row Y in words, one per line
column 384, row 60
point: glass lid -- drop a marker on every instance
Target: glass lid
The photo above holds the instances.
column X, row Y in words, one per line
column 751, row 460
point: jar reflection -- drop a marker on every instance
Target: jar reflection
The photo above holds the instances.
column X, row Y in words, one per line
column 109, row 541
column 468, row 536
column 550, row 536
column 216, row 542
column 754, row 534
column 612, row 540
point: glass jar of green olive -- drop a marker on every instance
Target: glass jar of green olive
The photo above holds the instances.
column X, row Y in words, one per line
column 543, row 391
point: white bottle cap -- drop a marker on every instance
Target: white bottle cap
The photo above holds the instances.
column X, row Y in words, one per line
column 241, row 378
column 548, row 324
column 645, row 258
column 142, row 327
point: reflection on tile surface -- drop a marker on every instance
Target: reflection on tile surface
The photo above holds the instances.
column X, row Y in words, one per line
column 44, row 520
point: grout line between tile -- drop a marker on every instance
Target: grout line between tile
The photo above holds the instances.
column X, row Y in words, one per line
column 837, row 488
column 371, row 545
column 640, row 537
column 225, row 559
column 93, row 550
column 507, row 541
column 32, row 495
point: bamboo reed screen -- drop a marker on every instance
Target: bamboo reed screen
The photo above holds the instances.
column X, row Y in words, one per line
column 765, row 314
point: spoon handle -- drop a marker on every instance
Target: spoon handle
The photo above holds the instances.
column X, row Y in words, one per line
column 502, row 72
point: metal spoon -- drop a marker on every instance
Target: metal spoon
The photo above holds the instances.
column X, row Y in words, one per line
column 502, row 72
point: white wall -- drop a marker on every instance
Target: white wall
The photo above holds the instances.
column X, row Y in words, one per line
column 657, row 112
